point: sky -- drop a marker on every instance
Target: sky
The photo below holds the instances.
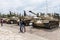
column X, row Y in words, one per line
column 19, row 6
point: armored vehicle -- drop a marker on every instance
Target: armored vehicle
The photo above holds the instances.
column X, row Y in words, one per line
column 26, row 18
column 12, row 20
column 45, row 21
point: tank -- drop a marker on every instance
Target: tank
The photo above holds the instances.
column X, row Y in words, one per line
column 45, row 21
column 26, row 18
column 12, row 20
column 38, row 23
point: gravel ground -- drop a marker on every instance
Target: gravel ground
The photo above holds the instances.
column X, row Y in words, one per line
column 11, row 32
column 53, row 34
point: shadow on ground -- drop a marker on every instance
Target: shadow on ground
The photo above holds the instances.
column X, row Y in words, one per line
column 48, row 30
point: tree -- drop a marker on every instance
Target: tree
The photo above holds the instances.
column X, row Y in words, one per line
column 49, row 14
column 37, row 14
column 24, row 13
column 42, row 14
column 0, row 15
column 56, row 15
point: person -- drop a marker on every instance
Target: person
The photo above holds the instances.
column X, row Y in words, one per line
column 1, row 22
column 22, row 26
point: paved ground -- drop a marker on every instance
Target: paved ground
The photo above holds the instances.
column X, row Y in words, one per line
column 10, row 32
column 53, row 34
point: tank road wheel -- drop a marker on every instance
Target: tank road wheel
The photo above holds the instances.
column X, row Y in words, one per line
column 18, row 23
column 11, row 22
column 51, row 27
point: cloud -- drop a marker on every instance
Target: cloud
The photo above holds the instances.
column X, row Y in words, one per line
column 34, row 5
column 53, row 6
column 10, row 4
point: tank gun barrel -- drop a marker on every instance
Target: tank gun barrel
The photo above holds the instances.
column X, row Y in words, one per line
column 32, row 12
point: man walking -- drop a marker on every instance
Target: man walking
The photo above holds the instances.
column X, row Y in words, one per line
column 22, row 26
column 1, row 22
